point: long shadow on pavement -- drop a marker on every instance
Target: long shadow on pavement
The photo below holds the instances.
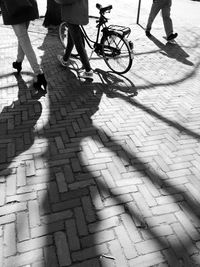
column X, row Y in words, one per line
column 82, row 209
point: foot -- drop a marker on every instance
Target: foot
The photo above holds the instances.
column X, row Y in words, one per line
column 172, row 36
column 62, row 61
column 41, row 84
column 148, row 34
column 86, row 74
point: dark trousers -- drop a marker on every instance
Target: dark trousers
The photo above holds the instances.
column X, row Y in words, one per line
column 75, row 38
column 165, row 7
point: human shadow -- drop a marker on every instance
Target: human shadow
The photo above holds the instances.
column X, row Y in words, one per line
column 80, row 159
column 17, row 122
column 172, row 51
column 78, row 156
column 81, row 180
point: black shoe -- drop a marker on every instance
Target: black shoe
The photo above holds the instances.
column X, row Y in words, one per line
column 172, row 36
column 148, row 34
column 41, row 84
column 18, row 66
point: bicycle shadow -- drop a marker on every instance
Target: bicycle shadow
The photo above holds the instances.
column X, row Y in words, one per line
column 116, row 82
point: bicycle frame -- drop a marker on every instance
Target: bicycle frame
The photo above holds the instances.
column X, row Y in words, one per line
column 101, row 24
column 110, row 42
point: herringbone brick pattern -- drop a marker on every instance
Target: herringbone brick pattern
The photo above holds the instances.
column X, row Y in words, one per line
column 103, row 173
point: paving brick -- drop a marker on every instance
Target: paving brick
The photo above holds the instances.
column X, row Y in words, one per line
column 184, row 238
column 159, row 231
column 34, row 216
column 164, row 209
column 30, row 168
column 81, row 222
column 179, row 250
column 111, row 211
column 22, row 226
column 113, row 171
column 1, row 251
column 125, row 241
column 22, row 197
column 188, row 226
column 104, row 224
column 24, row 258
column 50, row 256
column 65, row 205
column 147, row 260
column 3, row 194
column 86, row 263
column 11, row 185
column 47, row 229
column 21, row 175
column 35, row 243
column 56, row 216
column 62, row 185
column 88, row 253
column 151, row 245
column 62, row 249
column 96, row 198
column 72, row 235
column 147, row 195
column 117, row 253
column 12, row 207
column 9, row 240
column 97, row 238
column 88, row 209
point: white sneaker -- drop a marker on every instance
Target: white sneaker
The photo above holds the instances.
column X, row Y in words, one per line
column 62, row 62
column 86, row 74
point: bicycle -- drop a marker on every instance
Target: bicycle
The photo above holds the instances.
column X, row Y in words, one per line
column 113, row 46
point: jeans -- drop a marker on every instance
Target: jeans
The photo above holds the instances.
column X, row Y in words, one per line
column 75, row 38
column 25, row 46
column 165, row 7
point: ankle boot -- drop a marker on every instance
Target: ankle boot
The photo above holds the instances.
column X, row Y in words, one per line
column 41, row 84
column 18, row 66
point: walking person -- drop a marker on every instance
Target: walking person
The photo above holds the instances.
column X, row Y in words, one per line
column 165, row 7
column 18, row 14
column 75, row 13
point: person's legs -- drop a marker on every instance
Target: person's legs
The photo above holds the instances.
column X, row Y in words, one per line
column 25, row 47
column 21, row 31
column 167, row 21
column 155, row 8
column 70, row 46
column 64, row 59
column 76, row 35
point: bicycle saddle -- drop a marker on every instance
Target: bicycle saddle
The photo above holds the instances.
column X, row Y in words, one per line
column 103, row 9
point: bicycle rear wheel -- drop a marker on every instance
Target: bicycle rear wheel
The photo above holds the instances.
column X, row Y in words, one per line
column 116, row 52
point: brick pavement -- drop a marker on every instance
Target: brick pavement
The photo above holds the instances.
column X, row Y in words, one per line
column 102, row 174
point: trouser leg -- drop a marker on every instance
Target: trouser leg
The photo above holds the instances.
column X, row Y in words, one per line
column 167, row 18
column 21, row 31
column 155, row 8
column 76, row 35
column 70, row 46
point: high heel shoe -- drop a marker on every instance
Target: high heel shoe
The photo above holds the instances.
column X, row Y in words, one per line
column 41, row 84
column 18, row 66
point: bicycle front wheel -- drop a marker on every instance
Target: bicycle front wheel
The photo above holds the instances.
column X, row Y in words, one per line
column 116, row 52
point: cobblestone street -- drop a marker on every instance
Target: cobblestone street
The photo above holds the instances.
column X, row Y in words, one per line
column 103, row 174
